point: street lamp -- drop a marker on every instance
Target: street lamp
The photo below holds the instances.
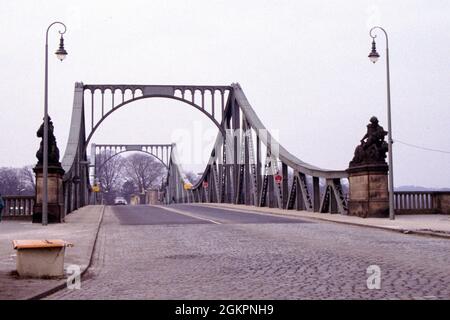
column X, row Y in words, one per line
column 61, row 53
column 373, row 56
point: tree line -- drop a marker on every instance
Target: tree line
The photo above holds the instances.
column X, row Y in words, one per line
column 117, row 175
column 17, row 181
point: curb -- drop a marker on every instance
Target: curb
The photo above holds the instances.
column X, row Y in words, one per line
column 424, row 233
column 63, row 283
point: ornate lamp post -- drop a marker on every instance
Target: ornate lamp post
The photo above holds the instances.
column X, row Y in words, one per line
column 373, row 56
column 61, row 53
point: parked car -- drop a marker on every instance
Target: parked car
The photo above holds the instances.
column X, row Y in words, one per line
column 120, row 200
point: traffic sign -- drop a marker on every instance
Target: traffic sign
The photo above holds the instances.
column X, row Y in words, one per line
column 187, row 186
column 96, row 188
column 205, row 184
column 278, row 178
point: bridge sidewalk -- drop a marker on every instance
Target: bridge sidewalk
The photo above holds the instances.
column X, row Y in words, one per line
column 81, row 228
column 429, row 224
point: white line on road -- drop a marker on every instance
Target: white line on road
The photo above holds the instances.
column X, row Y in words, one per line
column 252, row 211
column 184, row 213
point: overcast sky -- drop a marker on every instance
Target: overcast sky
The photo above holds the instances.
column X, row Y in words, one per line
column 302, row 64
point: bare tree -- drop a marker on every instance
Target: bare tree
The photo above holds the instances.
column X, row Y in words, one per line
column 28, row 177
column 144, row 170
column 9, row 181
column 14, row 182
column 109, row 174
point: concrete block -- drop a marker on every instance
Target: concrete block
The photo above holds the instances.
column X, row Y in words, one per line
column 40, row 258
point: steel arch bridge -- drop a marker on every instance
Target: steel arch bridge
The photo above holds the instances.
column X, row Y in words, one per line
column 246, row 166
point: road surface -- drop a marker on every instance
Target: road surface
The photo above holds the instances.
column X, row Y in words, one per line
column 198, row 252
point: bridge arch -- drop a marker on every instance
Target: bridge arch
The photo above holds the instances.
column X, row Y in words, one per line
column 97, row 168
column 214, row 109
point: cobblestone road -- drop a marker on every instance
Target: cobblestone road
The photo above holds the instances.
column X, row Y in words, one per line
column 207, row 253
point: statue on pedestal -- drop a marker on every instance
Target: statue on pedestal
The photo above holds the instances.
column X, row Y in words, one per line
column 53, row 151
column 373, row 150
column 367, row 175
column 55, row 173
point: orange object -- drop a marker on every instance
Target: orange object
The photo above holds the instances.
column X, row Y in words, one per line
column 37, row 244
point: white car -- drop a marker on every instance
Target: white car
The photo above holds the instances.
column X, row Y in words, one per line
column 120, row 200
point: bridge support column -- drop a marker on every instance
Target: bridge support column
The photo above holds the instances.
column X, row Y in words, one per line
column 316, row 194
column 55, row 194
column 368, row 194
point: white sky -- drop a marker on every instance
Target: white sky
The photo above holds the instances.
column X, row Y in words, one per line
column 302, row 64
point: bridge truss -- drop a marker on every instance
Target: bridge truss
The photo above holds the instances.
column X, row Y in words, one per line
column 246, row 166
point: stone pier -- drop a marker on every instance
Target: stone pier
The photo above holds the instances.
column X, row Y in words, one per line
column 368, row 192
column 55, row 194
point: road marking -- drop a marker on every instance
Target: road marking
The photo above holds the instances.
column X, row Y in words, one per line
column 184, row 213
column 250, row 211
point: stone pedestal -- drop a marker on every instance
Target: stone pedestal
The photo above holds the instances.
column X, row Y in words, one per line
column 55, row 194
column 368, row 194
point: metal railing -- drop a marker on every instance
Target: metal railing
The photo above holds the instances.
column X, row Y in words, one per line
column 420, row 201
column 18, row 206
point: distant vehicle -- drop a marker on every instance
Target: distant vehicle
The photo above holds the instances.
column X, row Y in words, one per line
column 120, row 200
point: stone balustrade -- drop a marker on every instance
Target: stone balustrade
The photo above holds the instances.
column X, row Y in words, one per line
column 410, row 202
column 18, row 207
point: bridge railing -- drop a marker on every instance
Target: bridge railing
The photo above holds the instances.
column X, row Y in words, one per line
column 422, row 202
column 18, row 207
